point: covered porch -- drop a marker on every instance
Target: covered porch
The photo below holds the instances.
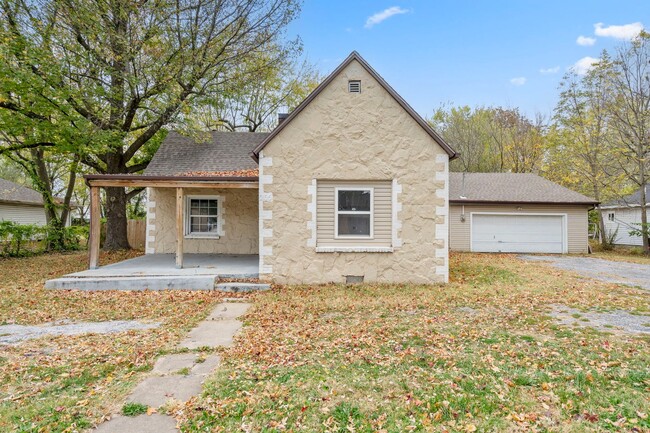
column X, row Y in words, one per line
column 201, row 230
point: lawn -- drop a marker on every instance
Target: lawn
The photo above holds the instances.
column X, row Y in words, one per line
column 480, row 354
column 58, row 384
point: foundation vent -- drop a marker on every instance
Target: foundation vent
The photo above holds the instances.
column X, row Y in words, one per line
column 353, row 279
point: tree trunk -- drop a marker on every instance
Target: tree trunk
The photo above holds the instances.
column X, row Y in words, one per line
column 644, row 220
column 116, row 238
column 55, row 240
column 601, row 227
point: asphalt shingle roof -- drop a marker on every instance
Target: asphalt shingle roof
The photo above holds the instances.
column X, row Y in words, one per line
column 632, row 199
column 225, row 151
column 12, row 192
column 511, row 188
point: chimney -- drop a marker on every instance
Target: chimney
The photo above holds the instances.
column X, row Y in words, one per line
column 282, row 117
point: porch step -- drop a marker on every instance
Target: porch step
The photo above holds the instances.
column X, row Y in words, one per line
column 186, row 282
column 241, row 287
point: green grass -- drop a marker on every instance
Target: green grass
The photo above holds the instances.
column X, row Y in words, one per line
column 134, row 409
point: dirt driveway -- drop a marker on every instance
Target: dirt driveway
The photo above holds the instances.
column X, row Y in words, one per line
column 632, row 274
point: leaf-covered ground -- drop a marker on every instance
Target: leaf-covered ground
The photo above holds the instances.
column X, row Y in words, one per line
column 480, row 354
column 58, row 384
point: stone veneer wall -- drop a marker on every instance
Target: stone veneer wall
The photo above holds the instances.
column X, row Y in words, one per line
column 346, row 136
column 240, row 222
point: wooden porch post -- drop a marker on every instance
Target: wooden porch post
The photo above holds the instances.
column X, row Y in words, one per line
column 95, row 228
column 180, row 232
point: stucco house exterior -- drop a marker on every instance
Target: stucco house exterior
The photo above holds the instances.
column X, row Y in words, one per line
column 22, row 205
column 624, row 215
column 352, row 186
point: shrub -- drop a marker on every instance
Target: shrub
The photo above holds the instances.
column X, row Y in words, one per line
column 19, row 239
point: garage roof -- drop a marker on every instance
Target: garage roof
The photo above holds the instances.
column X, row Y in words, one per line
column 510, row 188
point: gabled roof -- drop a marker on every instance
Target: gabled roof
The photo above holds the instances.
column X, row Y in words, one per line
column 510, row 188
column 223, row 152
column 630, row 200
column 13, row 193
column 355, row 56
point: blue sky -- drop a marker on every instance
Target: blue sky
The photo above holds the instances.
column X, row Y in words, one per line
column 507, row 53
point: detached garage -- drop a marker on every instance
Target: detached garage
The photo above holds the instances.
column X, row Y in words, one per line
column 516, row 213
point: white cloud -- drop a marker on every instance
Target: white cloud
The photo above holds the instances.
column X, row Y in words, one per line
column 585, row 41
column 384, row 15
column 548, row 71
column 518, row 81
column 626, row 31
column 583, row 65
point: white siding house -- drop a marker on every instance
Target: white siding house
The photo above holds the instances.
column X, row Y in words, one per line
column 622, row 216
column 21, row 205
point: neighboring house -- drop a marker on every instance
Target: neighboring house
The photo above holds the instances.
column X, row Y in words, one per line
column 21, row 205
column 353, row 185
column 623, row 215
column 516, row 212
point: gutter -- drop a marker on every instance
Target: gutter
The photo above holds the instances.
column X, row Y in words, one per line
column 251, row 179
column 493, row 202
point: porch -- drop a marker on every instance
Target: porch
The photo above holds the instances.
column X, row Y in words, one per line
column 159, row 272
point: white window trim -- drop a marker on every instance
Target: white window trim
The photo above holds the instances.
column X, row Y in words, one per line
column 371, row 212
column 186, row 217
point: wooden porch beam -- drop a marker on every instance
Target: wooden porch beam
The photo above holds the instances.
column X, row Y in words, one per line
column 95, row 228
column 180, row 232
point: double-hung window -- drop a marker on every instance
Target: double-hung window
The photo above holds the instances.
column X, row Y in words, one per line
column 203, row 216
column 354, row 212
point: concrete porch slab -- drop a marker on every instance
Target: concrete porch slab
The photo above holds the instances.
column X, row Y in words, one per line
column 150, row 265
column 159, row 272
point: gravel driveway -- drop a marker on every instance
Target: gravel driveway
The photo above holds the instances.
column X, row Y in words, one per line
column 632, row 274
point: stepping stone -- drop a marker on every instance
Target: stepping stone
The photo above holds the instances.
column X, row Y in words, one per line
column 206, row 367
column 212, row 333
column 172, row 363
column 155, row 391
column 229, row 311
column 155, row 423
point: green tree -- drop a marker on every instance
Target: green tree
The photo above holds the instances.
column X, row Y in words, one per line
column 491, row 139
column 581, row 153
column 103, row 79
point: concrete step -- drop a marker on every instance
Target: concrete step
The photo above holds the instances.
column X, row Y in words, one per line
column 189, row 282
column 241, row 287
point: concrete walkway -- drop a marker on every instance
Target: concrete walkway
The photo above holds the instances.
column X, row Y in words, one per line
column 179, row 377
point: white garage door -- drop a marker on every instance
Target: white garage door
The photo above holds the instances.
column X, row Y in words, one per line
column 521, row 233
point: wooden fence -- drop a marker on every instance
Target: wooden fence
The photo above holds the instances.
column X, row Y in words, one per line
column 136, row 233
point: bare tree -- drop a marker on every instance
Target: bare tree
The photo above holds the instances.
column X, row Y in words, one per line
column 629, row 105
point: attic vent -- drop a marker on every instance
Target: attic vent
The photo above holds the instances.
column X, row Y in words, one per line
column 354, row 86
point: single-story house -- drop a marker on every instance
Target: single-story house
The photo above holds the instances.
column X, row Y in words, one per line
column 516, row 212
column 22, row 205
column 353, row 185
column 624, row 215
